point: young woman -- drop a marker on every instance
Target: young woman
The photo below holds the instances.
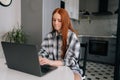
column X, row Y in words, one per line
column 61, row 46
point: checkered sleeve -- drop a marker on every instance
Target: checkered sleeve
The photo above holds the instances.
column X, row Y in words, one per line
column 44, row 48
column 72, row 54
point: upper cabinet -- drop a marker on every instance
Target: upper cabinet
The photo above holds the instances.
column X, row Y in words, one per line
column 98, row 7
column 82, row 8
column 72, row 6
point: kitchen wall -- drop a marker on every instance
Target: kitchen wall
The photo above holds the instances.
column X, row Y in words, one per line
column 105, row 26
column 9, row 17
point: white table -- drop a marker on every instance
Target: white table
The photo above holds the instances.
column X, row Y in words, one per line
column 62, row 73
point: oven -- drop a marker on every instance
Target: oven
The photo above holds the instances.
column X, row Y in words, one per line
column 98, row 47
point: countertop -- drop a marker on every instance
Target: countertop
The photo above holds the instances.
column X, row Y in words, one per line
column 96, row 36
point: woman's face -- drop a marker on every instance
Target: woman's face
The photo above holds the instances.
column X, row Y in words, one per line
column 57, row 23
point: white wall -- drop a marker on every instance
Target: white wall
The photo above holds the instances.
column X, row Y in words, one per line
column 48, row 7
column 9, row 17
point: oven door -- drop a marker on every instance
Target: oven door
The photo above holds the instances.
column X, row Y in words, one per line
column 98, row 47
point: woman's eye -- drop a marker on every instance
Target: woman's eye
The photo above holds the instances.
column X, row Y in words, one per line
column 53, row 20
column 59, row 21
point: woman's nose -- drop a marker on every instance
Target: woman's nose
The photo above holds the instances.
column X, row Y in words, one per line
column 56, row 22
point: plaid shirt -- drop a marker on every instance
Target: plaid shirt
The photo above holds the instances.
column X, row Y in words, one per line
column 51, row 48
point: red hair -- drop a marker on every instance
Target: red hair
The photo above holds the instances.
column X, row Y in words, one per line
column 66, row 25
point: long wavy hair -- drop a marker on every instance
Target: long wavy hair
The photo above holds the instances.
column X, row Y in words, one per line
column 66, row 25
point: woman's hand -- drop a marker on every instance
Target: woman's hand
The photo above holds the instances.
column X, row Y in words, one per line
column 45, row 61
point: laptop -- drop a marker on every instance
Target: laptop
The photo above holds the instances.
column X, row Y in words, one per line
column 24, row 57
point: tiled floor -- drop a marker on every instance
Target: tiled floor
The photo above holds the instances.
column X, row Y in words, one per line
column 97, row 71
